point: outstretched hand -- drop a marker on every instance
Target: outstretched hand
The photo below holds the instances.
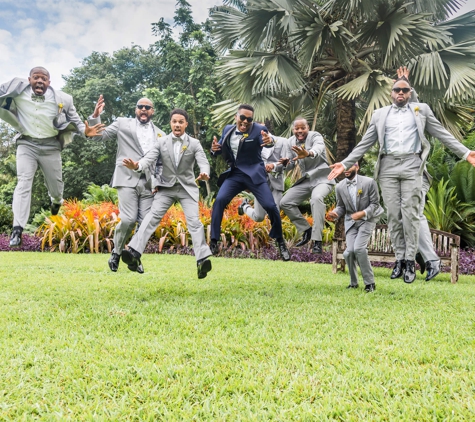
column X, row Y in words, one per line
column 337, row 169
column 203, row 176
column 215, row 145
column 471, row 158
column 99, row 107
column 300, row 151
column 266, row 139
column 91, row 131
column 130, row 164
column 403, row 71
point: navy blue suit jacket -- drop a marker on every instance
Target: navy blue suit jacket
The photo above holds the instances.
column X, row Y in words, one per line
column 249, row 159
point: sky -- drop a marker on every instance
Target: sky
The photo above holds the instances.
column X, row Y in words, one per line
column 59, row 34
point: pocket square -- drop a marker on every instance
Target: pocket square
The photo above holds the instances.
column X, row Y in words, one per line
column 249, row 140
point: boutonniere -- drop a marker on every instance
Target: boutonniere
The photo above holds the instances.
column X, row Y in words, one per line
column 159, row 135
column 60, row 108
column 245, row 135
column 184, row 148
column 360, row 191
column 416, row 110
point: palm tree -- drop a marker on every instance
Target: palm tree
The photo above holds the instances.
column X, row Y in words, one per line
column 303, row 57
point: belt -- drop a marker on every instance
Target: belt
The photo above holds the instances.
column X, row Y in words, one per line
column 401, row 155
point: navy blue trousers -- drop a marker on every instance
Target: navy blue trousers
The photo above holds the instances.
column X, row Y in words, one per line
column 236, row 183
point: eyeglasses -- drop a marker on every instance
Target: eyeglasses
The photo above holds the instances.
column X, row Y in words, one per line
column 242, row 118
column 404, row 90
column 143, row 106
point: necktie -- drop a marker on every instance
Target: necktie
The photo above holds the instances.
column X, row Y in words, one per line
column 37, row 98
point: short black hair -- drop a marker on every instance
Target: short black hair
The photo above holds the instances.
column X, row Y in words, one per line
column 246, row 107
column 299, row 118
column 40, row 68
column 179, row 111
column 402, row 78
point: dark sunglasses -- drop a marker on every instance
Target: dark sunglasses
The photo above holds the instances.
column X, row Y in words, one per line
column 242, row 118
column 143, row 106
column 404, row 90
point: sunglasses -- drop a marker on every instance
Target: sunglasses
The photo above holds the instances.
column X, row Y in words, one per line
column 404, row 90
column 143, row 106
column 242, row 118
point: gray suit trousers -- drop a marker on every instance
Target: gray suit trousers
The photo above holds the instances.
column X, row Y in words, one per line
column 258, row 213
column 357, row 251
column 134, row 204
column 401, row 188
column 426, row 247
column 45, row 153
column 299, row 193
column 163, row 200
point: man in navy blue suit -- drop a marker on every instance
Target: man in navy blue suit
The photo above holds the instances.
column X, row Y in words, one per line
column 241, row 145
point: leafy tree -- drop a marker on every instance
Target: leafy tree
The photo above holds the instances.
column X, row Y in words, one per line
column 290, row 57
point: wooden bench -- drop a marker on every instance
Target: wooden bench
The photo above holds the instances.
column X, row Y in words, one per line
column 446, row 245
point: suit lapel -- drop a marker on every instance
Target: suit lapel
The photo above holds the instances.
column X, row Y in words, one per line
column 133, row 132
column 171, row 149
column 184, row 147
column 420, row 129
column 358, row 189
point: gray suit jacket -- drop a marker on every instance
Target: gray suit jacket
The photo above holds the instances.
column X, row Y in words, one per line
column 192, row 152
column 316, row 168
column 128, row 146
column 367, row 199
column 67, row 121
column 425, row 121
column 278, row 151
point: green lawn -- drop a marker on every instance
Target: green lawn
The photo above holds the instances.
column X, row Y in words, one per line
column 255, row 340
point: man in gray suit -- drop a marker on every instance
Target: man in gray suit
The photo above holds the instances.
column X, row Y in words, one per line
column 307, row 150
column 275, row 178
column 46, row 121
column 178, row 153
column 358, row 200
column 403, row 151
column 135, row 137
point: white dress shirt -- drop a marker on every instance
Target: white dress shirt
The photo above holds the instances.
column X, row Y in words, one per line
column 37, row 117
column 178, row 147
column 145, row 135
column 401, row 136
column 353, row 193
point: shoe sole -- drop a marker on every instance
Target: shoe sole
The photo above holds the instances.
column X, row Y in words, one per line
column 433, row 276
column 205, row 269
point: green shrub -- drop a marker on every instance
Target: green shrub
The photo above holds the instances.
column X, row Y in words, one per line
column 6, row 218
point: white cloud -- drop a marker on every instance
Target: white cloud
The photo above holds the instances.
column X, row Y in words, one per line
column 59, row 35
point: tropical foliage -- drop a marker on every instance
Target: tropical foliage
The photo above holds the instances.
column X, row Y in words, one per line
column 336, row 59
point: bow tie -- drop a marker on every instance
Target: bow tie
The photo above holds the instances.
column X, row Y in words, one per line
column 177, row 139
column 38, row 98
column 237, row 133
column 403, row 108
column 351, row 182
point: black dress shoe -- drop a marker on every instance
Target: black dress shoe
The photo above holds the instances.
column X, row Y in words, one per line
column 204, row 267
column 410, row 272
column 15, row 239
column 369, row 288
column 243, row 206
column 284, row 252
column 433, row 268
column 55, row 208
column 132, row 258
column 114, row 261
column 421, row 262
column 352, row 286
column 307, row 235
column 317, row 246
column 398, row 269
column 213, row 246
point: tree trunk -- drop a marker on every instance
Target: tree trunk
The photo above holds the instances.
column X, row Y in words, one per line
column 346, row 141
